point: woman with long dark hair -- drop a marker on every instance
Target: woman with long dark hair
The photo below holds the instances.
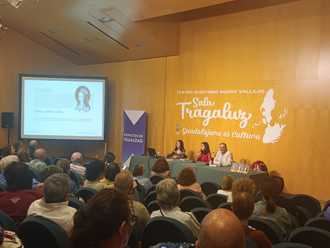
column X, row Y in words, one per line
column 205, row 153
column 179, row 151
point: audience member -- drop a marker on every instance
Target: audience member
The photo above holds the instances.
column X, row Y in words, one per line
column 76, row 165
column 109, row 159
column 187, row 180
column 226, row 187
column 19, row 195
column 38, row 164
column 74, row 182
column 54, row 204
column 32, row 147
column 268, row 208
column 94, row 175
column 168, row 197
column 159, row 171
column 41, row 155
column 44, row 174
column 110, row 174
column 221, row 229
column 106, row 222
column 4, row 162
column 205, row 153
column 138, row 174
column 243, row 205
column 259, row 166
column 124, row 183
column 244, row 184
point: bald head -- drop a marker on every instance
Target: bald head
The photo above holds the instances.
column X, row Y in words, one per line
column 77, row 158
column 221, row 229
column 40, row 154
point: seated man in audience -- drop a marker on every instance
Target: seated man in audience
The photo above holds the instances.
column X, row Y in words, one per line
column 159, row 171
column 221, row 229
column 44, row 174
column 124, row 183
column 109, row 222
column 4, row 162
column 19, row 195
column 226, row 186
column 64, row 164
column 32, row 147
column 76, row 165
column 168, row 197
column 187, row 180
column 38, row 164
column 243, row 205
column 110, row 174
column 94, row 175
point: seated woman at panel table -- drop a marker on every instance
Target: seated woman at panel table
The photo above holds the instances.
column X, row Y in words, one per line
column 205, row 153
column 178, row 152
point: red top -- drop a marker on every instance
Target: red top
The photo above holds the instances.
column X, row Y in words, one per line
column 206, row 158
column 258, row 237
column 16, row 203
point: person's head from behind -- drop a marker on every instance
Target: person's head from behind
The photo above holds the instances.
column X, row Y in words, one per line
column 23, row 156
column 227, row 183
column 94, row 170
column 40, row 154
column 109, row 158
column 223, row 148
column 48, row 171
column 77, row 158
column 269, row 192
column 187, row 176
column 4, row 162
column 104, row 222
column 138, row 170
column 179, row 146
column 161, row 168
column 64, row 164
column 243, row 205
column 221, row 229
column 205, row 148
column 124, row 182
column 56, row 188
column 18, row 177
column 168, row 194
column 244, row 184
column 111, row 172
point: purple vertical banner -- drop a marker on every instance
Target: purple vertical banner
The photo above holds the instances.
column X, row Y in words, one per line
column 135, row 131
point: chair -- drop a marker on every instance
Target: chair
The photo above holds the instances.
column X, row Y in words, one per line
column 36, row 231
column 216, row 199
column 7, row 222
column 272, row 230
column 152, row 206
column 290, row 245
column 200, row 213
column 307, row 202
column 191, row 202
column 209, row 188
column 311, row 236
column 75, row 203
column 226, row 205
column 152, row 196
column 320, row 223
column 86, row 193
column 153, row 188
column 162, row 229
column 326, row 205
column 186, row 192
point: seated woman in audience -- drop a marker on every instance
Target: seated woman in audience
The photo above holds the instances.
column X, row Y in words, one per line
column 243, row 205
column 19, row 195
column 138, row 174
column 64, row 164
column 159, row 171
column 187, row 180
column 106, row 222
column 168, row 197
column 205, row 153
column 259, row 166
column 268, row 208
column 4, row 162
column 226, row 186
column 54, row 204
column 109, row 159
column 45, row 173
column 244, row 184
column 110, row 174
column 179, row 151
column 94, row 175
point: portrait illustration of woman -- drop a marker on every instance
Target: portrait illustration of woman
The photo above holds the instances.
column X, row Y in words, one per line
column 83, row 97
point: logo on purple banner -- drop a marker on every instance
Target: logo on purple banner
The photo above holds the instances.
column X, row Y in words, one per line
column 135, row 131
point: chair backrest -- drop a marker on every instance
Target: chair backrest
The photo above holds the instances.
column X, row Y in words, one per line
column 311, row 236
column 271, row 229
column 320, row 223
column 209, row 188
column 290, row 245
column 152, row 196
column 186, row 192
column 191, row 202
column 86, row 193
column 163, row 229
column 152, row 206
column 36, row 231
column 200, row 213
column 152, row 188
column 226, row 205
column 308, row 202
column 75, row 203
column 216, row 199
column 7, row 222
